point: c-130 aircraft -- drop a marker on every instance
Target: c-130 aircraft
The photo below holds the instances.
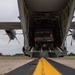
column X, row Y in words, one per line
column 45, row 24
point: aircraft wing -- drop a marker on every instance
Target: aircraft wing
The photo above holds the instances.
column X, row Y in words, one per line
column 17, row 25
column 72, row 26
column 9, row 29
column 10, row 25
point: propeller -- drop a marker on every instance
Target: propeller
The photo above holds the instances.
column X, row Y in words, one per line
column 16, row 39
column 12, row 35
column 9, row 41
column 70, row 30
column 71, row 42
column 71, row 35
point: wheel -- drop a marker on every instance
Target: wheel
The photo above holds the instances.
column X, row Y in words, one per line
column 51, row 46
column 37, row 46
column 24, row 51
column 45, row 46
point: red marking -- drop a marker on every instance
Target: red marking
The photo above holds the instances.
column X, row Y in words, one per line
column 51, row 36
column 34, row 39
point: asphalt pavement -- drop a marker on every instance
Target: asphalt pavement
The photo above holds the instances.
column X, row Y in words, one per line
column 29, row 68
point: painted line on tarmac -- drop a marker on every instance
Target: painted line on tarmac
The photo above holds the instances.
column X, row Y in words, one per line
column 45, row 68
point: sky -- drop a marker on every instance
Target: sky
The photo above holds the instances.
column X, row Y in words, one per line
column 9, row 13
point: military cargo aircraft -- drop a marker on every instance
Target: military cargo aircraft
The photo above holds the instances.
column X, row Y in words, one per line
column 45, row 24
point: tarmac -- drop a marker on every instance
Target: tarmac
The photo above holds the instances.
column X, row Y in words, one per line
column 27, row 66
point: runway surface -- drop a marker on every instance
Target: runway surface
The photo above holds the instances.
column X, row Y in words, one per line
column 61, row 67
column 8, row 64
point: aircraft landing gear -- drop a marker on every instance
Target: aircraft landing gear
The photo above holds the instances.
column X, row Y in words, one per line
column 24, row 51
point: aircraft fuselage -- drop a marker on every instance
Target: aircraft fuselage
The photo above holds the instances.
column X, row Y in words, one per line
column 45, row 15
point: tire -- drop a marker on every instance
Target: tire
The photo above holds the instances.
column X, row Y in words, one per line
column 51, row 46
column 24, row 51
column 36, row 46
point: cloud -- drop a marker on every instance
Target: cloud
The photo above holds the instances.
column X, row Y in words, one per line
column 13, row 47
column 9, row 10
column 9, row 13
column 11, row 50
column 69, row 47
